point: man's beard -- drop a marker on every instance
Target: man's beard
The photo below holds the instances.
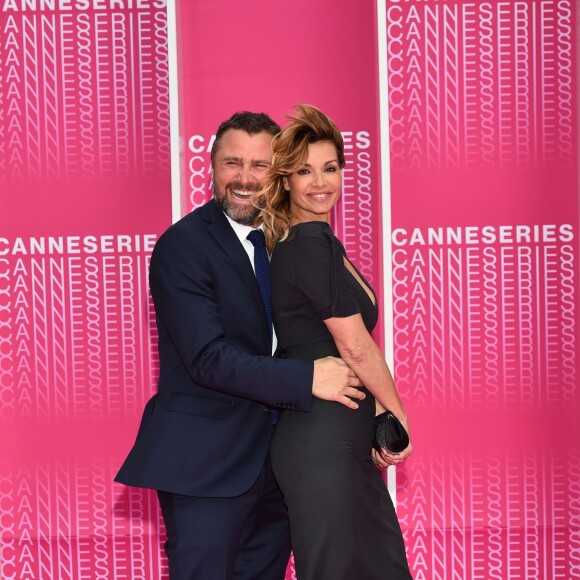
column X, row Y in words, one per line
column 246, row 214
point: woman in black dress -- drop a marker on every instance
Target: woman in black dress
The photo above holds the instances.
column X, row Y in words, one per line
column 342, row 522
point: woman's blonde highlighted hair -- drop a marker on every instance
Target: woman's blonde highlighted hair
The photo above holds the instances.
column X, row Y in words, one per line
column 289, row 153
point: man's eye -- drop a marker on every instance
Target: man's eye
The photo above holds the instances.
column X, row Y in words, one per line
column 261, row 166
column 232, row 163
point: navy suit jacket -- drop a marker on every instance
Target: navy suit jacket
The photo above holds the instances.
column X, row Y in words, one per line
column 207, row 431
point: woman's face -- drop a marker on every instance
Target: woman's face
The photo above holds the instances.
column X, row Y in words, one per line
column 316, row 186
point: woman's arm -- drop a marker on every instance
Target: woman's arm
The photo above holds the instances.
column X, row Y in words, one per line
column 360, row 352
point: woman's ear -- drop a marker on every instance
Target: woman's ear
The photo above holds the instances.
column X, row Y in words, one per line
column 285, row 183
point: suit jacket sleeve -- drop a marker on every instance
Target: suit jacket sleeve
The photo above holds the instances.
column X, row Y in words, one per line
column 182, row 280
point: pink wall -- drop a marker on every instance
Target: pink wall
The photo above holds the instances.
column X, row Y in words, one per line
column 85, row 190
column 483, row 132
column 483, row 146
column 321, row 53
column 311, row 52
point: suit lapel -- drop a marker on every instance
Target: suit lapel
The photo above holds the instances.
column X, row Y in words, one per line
column 225, row 236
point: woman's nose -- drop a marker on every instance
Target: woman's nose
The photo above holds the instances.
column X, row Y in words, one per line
column 317, row 178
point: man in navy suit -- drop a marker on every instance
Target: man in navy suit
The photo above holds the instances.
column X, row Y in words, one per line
column 204, row 438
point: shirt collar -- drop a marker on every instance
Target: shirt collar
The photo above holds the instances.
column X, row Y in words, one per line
column 241, row 230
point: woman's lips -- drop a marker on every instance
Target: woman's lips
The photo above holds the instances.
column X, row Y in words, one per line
column 319, row 196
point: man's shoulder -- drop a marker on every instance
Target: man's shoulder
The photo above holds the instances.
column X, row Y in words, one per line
column 194, row 223
column 185, row 235
column 204, row 213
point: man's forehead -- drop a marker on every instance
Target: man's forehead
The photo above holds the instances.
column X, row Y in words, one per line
column 237, row 139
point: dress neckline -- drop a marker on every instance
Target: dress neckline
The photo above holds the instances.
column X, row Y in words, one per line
column 311, row 222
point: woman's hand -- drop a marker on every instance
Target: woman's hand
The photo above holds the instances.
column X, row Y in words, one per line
column 384, row 459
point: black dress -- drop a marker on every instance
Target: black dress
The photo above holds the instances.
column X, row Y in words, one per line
column 342, row 522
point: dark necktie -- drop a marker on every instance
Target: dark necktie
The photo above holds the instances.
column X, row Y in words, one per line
column 262, row 267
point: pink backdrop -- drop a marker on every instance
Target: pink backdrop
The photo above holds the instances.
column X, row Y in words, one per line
column 484, row 179
column 484, row 200
column 318, row 53
column 85, row 190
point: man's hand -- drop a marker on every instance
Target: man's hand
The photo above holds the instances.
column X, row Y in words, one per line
column 335, row 381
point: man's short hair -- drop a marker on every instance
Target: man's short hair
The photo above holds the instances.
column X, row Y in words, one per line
column 251, row 123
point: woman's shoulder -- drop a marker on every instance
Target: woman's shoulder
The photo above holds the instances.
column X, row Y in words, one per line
column 305, row 241
column 310, row 241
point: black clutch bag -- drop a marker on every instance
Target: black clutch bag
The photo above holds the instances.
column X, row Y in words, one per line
column 389, row 433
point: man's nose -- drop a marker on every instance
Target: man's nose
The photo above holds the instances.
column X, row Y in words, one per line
column 246, row 173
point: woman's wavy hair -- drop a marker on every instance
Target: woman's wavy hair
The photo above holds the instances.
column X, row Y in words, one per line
column 289, row 153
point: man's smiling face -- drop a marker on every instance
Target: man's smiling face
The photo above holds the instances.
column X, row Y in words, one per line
column 241, row 164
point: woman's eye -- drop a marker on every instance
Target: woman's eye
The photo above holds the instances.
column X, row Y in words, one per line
column 302, row 171
column 331, row 169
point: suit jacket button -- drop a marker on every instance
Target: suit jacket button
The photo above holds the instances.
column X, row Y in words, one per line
column 267, row 410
